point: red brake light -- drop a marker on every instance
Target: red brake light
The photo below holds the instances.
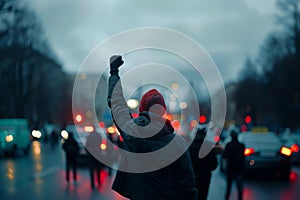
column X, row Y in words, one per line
column 295, row 148
column 286, row 151
column 249, row 151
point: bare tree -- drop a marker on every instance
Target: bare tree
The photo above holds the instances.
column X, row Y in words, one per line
column 32, row 78
column 275, row 96
column 289, row 17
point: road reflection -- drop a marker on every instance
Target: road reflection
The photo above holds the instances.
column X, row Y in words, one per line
column 36, row 150
column 10, row 170
column 42, row 174
column 293, row 176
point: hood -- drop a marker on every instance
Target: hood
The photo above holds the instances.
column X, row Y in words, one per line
column 155, row 142
column 144, row 120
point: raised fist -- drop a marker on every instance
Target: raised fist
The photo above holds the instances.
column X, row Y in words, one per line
column 115, row 62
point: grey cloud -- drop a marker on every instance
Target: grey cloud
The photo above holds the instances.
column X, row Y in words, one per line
column 230, row 30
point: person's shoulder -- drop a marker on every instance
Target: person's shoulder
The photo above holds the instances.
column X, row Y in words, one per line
column 75, row 142
column 142, row 120
column 229, row 144
column 242, row 144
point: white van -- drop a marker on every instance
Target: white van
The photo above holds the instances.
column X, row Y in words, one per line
column 14, row 136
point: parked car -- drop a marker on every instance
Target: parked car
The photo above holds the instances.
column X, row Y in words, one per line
column 264, row 151
column 14, row 136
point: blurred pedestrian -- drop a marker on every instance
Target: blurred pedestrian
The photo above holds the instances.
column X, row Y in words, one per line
column 235, row 159
column 53, row 139
column 71, row 148
column 203, row 167
column 110, row 147
column 175, row 181
column 93, row 145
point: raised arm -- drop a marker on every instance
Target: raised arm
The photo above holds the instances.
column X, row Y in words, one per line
column 116, row 101
column 115, row 62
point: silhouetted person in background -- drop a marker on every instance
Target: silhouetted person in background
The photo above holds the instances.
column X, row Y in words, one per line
column 93, row 149
column 53, row 139
column 71, row 148
column 174, row 181
column 235, row 158
column 203, row 167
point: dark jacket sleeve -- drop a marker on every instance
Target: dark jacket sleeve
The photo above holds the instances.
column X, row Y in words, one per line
column 112, row 81
column 185, row 175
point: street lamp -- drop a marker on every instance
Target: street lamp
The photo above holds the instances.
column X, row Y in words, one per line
column 132, row 103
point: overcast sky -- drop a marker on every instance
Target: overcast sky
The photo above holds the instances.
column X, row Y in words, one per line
column 228, row 29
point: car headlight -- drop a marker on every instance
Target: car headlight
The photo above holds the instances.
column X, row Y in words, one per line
column 9, row 138
column 64, row 134
column 36, row 134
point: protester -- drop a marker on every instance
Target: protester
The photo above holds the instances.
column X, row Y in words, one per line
column 53, row 139
column 175, row 181
column 235, row 159
column 71, row 148
column 93, row 149
column 203, row 167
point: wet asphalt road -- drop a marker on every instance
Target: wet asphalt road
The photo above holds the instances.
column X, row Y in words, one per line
column 41, row 175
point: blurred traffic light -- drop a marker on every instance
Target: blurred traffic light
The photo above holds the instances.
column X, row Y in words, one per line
column 102, row 124
column 168, row 116
column 295, row 148
column 248, row 119
column 202, row 119
column 135, row 115
column 176, row 124
column 78, row 118
column 243, row 128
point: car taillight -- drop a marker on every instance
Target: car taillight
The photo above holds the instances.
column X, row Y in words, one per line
column 295, row 148
column 249, row 151
column 286, row 151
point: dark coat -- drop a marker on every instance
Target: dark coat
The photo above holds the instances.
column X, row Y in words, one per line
column 174, row 182
column 234, row 153
column 203, row 167
column 71, row 147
